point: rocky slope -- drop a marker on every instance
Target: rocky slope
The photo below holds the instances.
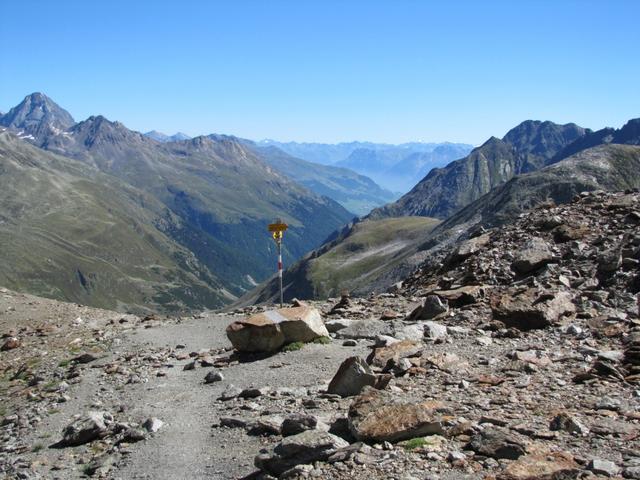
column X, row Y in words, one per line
column 515, row 355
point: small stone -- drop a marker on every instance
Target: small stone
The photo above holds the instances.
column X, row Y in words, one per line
column 432, row 307
column 542, row 466
column 10, row 344
column 84, row 358
column 152, row 424
column 535, row 254
column 189, row 366
column 230, row 393
column 212, row 377
column 298, row 423
column 434, row 331
column 568, row 423
column 350, row 343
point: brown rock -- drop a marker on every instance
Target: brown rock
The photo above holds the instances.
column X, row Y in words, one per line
column 389, row 315
column 459, row 297
column 377, row 416
column 468, row 248
column 432, row 307
column 533, row 356
column 534, row 255
column 566, row 233
column 268, row 331
column 396, row 351
column 10, row 344
column 542, row 466
column 354, row 375
column 531, row 309
column 497, row 444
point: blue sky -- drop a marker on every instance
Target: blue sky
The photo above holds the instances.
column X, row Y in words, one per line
column 328, row 71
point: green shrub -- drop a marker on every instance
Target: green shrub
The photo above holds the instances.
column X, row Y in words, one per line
column 322, row 340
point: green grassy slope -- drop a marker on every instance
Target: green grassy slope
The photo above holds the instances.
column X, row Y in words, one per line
column 72, row 233
column 361, row 255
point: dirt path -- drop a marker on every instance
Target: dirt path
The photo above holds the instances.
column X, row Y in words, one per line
column 187, row 446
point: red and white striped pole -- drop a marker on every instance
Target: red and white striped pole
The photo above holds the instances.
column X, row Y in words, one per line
column 277, row 229
column 280, row 268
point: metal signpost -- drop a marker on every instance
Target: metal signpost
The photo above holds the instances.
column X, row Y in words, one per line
column 277, row 230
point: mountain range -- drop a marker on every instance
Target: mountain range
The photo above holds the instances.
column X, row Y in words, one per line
column 395, row 167
column 526, row 148
column 491, row 186
column 210, row 197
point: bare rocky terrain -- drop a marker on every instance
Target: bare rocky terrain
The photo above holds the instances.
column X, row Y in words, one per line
column 514, row 355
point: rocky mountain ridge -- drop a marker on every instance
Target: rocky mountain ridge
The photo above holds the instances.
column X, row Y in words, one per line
column 525, row 148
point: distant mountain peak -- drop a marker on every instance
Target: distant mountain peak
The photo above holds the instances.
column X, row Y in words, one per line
column 179, row 136
column 543, row 138
column 39, row 116
column 157, row 136
column 163, row 137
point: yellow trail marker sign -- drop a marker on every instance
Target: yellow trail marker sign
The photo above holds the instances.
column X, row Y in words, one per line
column 278, row 227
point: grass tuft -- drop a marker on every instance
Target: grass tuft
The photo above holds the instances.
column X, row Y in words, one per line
column 292, row 347
column 322, row 340
column 414, row 443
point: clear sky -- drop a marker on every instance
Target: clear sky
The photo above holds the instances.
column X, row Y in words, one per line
column 387, row 71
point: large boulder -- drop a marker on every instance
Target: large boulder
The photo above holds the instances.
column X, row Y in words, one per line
column 270, row 330
column 378, row 416
column 304, row 448
column 353, row 375
column 531, row 309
